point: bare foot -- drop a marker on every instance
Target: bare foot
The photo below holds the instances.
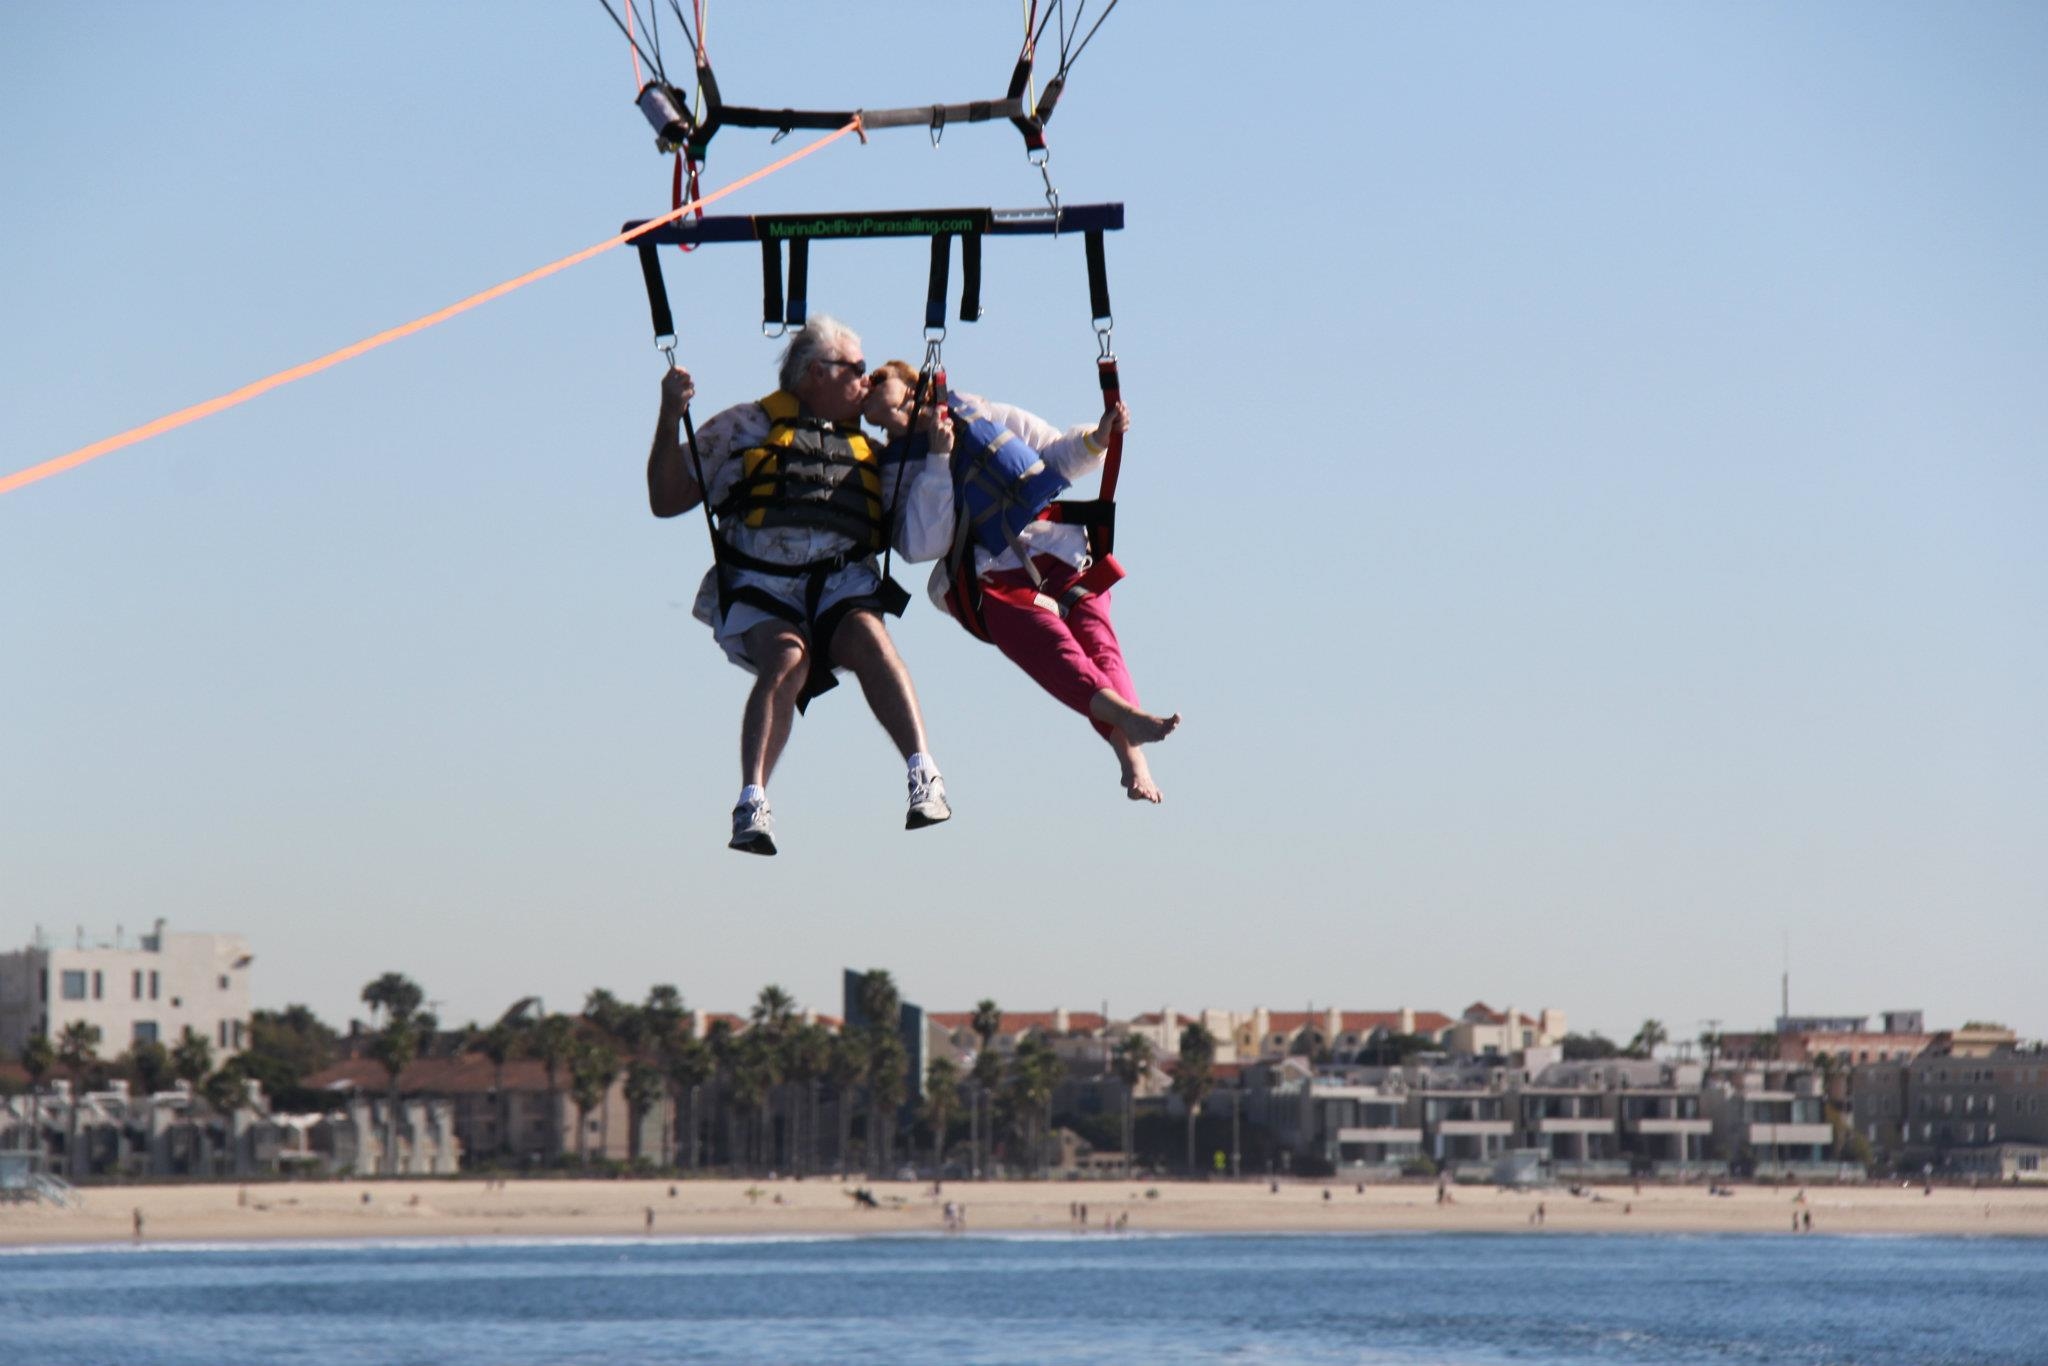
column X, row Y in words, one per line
column 1137, row 774
column 1139, row 727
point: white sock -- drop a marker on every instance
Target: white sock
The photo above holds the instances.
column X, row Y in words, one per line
column 922, row 762
column 753, row 793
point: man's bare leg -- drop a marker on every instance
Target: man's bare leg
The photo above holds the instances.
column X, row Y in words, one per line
column 781, row 663
column 1139, row 727
column 862, row 645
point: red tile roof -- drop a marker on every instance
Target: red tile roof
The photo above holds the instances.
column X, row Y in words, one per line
column 1019, row 1021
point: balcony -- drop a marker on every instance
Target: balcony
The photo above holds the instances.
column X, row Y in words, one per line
column 1654, row 1125
column 1581, row 1124
column 1476, row 1128
column 1379, row 1135
column 1768, row 1135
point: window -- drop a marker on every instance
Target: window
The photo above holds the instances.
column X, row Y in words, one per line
column 152, row 984
column 45, row 979
column 74, row 985
column 145, row 1031
column 137, row 994
column 99, row 985
column 223, row 1033
column 223, row 981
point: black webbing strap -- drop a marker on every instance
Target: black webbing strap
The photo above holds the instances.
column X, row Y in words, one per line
column 1098, row 278
column 935, row 296
column 657, row 294
column 799, row 281
column 970, row 276
column 771, row 282
column 1032, row 129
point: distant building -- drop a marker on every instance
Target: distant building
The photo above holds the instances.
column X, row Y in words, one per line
column 152, row 990
column 1980, row 1114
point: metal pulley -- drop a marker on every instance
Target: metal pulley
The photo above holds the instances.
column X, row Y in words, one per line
column 668, row 113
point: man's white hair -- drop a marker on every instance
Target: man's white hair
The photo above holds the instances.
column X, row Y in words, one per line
column 820, row 332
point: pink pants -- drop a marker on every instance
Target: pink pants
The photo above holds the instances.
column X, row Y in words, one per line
column 1072, row 658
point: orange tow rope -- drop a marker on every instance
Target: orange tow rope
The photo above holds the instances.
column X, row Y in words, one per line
column 185, row 416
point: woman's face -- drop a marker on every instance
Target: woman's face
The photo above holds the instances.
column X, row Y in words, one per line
column 888, row 405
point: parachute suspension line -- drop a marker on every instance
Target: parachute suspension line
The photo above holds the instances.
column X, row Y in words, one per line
column 186, row 416
column 633, row 50
column 639, row 51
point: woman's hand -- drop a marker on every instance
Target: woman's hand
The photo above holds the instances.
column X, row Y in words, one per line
column 1117, row 419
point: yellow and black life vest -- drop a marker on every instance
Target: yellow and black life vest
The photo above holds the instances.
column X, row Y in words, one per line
column 812, row 473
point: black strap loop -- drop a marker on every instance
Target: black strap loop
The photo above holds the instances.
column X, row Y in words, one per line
column 657, row 293
column 1098, row 278
column 970, row 277
column 771, row 282
column 799, row 281
column 935, row 296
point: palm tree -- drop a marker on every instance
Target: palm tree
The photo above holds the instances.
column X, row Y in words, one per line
column 37, row 1058
column 591, row 1070
column 987, row 1073
column 773, row 1018
column 663, row 1018
column 554, row 1043
column 395, row 994
column 941, row 1094
column 646, row 1086
column 1710, row 1044
column 888, row 1063
column 688, row 1064
column 719, row 1042
column 608, row 1014
column 500, row 1043
column 881, row 1008
column 1195, row 1077
column 844, row 1068
column 806, row 1055
column 191, row 1061
column 227, row 1091
column 1648, row 1039
column 77, row 1049
column 152, row 1064
column 394, row 1048
column 754, row 1074
column 1035, row 1070
column 1132, row 1063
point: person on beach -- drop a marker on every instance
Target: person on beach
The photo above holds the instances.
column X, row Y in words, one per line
column 794, row 592
column 1024, row 563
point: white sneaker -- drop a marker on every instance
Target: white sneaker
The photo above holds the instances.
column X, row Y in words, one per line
column 927, row 800
column 753, row 828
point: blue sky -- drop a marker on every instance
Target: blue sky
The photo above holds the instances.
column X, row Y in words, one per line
column 1586, row 497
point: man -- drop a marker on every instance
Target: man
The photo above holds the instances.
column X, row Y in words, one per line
column 803, row 505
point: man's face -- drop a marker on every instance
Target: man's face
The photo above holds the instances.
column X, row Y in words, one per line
column 888, row 405
column 836, row 383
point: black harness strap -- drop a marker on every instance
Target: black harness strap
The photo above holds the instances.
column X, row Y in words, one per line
column 1098, row 278
column 970, row 276
column 771, row 282
column 935, row 295
column 657, row 295
column 799, row 281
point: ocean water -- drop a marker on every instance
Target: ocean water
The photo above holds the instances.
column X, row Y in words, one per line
column 1408, row 1300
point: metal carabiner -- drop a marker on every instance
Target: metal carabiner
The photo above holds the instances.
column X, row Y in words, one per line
column 1104, row 328
column 1041, row 157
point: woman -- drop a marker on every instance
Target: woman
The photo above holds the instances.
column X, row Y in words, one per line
column 1075, row 657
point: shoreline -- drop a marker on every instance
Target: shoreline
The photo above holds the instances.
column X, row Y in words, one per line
column 457, row 1209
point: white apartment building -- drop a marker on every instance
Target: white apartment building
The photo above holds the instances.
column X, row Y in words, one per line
column 153, row 988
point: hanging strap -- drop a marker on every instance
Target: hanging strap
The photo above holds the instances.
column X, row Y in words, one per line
column 970, row 276
column 935, row 294
column 771, row 283
column 799, row 282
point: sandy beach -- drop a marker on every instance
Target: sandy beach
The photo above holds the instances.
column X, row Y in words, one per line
column 474, row 1208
